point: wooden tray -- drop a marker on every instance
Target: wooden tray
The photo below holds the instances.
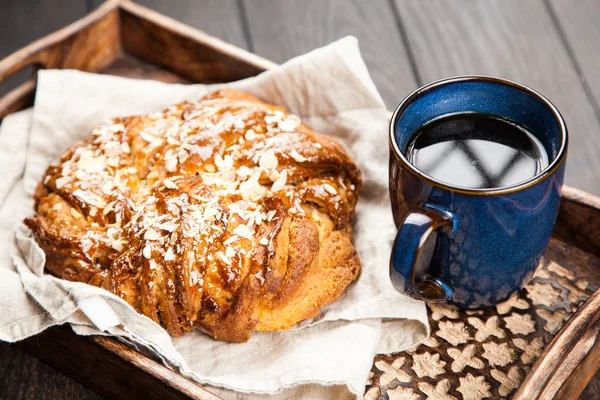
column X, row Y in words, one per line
column 523, row 349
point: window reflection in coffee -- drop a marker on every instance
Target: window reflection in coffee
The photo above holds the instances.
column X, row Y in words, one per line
column 477, row 151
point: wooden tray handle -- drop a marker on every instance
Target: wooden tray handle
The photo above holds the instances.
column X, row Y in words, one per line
column 22, row 95
column 73, row 47
column 545, row 372
column 577, row 223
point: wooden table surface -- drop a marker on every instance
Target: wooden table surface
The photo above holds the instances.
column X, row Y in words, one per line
column 552, row 46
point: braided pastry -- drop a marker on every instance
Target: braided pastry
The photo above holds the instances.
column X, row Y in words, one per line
column 226, row 214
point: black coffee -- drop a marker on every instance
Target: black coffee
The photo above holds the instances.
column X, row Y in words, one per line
column 476, row 151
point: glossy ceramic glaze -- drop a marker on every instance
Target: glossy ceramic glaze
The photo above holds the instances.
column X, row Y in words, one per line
column 489, row 241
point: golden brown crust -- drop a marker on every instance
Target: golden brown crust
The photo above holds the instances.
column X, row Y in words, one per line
column 226, row 214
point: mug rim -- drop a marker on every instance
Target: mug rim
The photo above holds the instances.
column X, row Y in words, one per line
column 542, row 175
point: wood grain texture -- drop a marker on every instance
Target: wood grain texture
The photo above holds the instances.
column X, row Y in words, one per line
column 220, row 18
column 592, row 390
column 193, row 54
column 564, row 379
column 124, row 372
column 17, row 29
column 89, row 44
column 128, row 66
column 116, row 27
column 515, row 40
column 25, row 377
column 317, row 23
column 23, row 21
column 21, row 375
column 579, row 23
column 572, row 389
column 494, row 348
column 578, row 223
column 558, row 349
column 283, row 29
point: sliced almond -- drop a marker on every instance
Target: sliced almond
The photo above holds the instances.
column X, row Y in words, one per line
column 117, row 245
column 228, row 162
column 223, row 257
column 169, row 226
column 182, row 155
column 107, row 187
column 210, row 213
column 297, row 156
column 62, row 181
column 250, row 134
column 151, row 234
column 210, row 168
column 272, row 119
column 288, row 125
column 152, row 140
column 232, row 239
column 268, row 161
column 171, row 164
column 112, row 161
column 191, row 255
column 109, row 207
column 273, row 176
column 280, row 182
column 147, row 252
column 330, row 189
column 169, row 184
column 244, row 231
column 244, row 171
column 229, row 252
column 169, row 255
column 92, row 165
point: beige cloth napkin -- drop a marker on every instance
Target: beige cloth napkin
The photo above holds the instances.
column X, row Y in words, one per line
column 327, row 357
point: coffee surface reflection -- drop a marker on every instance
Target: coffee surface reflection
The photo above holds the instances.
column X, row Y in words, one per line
column 477, row 151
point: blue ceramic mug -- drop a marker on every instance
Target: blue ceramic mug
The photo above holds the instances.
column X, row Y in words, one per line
column 488, row 241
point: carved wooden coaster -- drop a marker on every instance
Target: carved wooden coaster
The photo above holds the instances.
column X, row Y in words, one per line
column 486, row 353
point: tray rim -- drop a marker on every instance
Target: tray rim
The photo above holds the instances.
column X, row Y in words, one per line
column 33, row 54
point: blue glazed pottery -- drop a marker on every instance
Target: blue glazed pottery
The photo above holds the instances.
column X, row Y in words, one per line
column 489, row 241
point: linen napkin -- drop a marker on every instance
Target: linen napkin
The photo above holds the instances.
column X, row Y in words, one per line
column 327, row 357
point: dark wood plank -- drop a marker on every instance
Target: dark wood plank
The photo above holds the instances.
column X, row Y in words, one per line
column 21, row 22
column 110, row 367
column 280, row 30
column 27, row 378
column 220, row 18
column 515, row 40
column 191, row 53
column 592, row 390
column 583, row 373
column 94, row 42
column 17, row 27
column 89, row 44
column 578, row 222
column 545, row 370
column 578, row 22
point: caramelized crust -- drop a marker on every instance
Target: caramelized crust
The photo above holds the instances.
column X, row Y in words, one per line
column 227, row 214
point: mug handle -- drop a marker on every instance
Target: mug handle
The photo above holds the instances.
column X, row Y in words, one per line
column 409, row 243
